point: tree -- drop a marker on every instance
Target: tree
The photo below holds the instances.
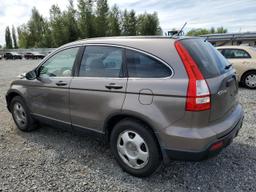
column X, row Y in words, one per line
column 86, row 19
column 23, row 36
column 46, row 40
column 14, row 38
column 148, row 24
column 203, row 31
column 129, row 23
column 57, row 26
column 36, row 26
column 102, row 18
column 70, row 23
column 221, row 30
column 198, row 32
column 114, row 21
column 92, row 18
column 35, row 33
column 8, row 38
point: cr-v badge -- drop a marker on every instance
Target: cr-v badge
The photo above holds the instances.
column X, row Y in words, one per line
column 221, row 92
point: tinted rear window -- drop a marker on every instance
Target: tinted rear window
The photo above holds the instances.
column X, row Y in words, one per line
column 210, row 61
column 143, row 66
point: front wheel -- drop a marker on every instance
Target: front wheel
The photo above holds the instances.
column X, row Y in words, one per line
column 249, row 80
column 21, row 115
column 135, row 148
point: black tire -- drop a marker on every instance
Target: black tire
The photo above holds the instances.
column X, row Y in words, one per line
column 28, row 125
column 154, row 158
column 244, row 78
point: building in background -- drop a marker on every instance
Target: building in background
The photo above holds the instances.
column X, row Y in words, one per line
column 248, row 38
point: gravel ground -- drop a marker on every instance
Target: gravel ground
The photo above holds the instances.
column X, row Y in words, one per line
column 53, row 160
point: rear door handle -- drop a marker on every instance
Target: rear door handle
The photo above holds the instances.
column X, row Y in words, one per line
column 113, row 86
column 61, row 83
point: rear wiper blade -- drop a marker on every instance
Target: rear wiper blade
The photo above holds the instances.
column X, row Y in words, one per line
column 228, row 66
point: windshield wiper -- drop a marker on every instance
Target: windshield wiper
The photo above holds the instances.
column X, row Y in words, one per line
column 228, row 66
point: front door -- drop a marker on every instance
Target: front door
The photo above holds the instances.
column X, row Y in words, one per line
column 49, row 93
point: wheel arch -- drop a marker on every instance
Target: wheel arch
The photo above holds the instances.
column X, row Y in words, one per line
column 10, row 95
column 115, row 118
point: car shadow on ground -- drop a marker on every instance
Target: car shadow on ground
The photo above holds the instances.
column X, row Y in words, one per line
column 231, row 169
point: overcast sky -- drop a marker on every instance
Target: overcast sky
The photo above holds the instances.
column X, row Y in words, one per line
column 235, row 15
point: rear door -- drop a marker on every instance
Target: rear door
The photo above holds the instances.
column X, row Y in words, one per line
column 219, row 75
column 98, row 89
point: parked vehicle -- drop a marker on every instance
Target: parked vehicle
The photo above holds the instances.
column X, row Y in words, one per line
column 243, row 58
column 12, row 55
column 151, row 98
column 33, row 55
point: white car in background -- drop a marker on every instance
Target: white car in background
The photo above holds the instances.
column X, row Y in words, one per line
column 243, row 59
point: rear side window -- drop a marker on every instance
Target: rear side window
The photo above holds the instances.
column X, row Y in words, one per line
column 100, row 61
column 210, row 61
column 143, row 66
column 235, row 54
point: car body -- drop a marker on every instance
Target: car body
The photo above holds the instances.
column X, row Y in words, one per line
column 12, row 55
column 139, row 93
column 33, row 55
column 243, row 58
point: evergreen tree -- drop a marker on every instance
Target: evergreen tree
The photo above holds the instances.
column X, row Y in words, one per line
column 102, row 18
column 86, row 19
column 36, row 26
column 46, row 40
column 148, row 24
column 70, row 23
column 92, row 18
column 23, row 36
column 57, row 26
column 129, row 23
column 114, row 21
column 8, row 38
column 14, row 38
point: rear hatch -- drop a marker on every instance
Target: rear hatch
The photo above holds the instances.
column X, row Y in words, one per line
column 218, row 73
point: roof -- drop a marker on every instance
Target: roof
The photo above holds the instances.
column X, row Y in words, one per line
column 125, row 39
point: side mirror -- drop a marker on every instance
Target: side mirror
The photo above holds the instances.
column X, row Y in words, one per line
column 31, row 75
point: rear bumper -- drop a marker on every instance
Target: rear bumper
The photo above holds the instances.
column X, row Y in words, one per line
column 195, row 144
column 197, row 156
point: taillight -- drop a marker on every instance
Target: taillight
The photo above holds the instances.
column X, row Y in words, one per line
column 198, row 93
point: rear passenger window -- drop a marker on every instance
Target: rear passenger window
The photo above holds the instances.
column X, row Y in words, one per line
column 141, row 65
column 100, row 61
column 235, row 54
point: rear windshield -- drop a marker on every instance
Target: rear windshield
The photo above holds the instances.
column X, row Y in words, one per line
column 210, row 62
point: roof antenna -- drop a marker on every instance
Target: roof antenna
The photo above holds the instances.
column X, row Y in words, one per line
column 181, row 30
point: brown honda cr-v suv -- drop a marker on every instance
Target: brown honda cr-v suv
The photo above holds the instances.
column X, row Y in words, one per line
column 152, row 98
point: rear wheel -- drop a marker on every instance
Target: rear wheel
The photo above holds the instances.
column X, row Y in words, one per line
column 21, row 115
column 249, row 80
column 135, row 148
